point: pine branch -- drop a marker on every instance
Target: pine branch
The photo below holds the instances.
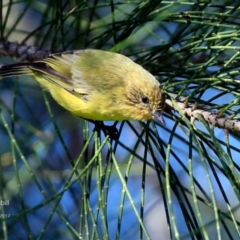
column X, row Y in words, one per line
column 22, row 51
column 213, row 118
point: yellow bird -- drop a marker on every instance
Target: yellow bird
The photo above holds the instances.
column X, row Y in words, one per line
column 96, row 85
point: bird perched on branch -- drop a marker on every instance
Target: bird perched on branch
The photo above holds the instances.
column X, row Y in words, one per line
column 96, row 85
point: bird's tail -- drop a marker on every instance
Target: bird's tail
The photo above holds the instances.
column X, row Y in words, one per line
column 16, row 69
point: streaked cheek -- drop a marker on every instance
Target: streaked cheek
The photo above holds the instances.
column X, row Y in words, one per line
column 146, row 115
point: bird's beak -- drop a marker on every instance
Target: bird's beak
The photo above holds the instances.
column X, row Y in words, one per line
column 158, row 116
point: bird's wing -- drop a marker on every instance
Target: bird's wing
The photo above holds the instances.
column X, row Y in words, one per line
column 97, row 69
column 82, row 72
column 58, row 78
column 58, row 69
column 79, row 72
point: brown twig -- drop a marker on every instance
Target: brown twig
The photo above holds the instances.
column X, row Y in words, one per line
column 213, row 118
column 22, row 51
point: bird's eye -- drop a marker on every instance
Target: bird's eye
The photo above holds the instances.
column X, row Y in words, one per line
column 145, row 99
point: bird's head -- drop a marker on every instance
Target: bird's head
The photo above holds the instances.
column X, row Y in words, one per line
column 145, row 95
